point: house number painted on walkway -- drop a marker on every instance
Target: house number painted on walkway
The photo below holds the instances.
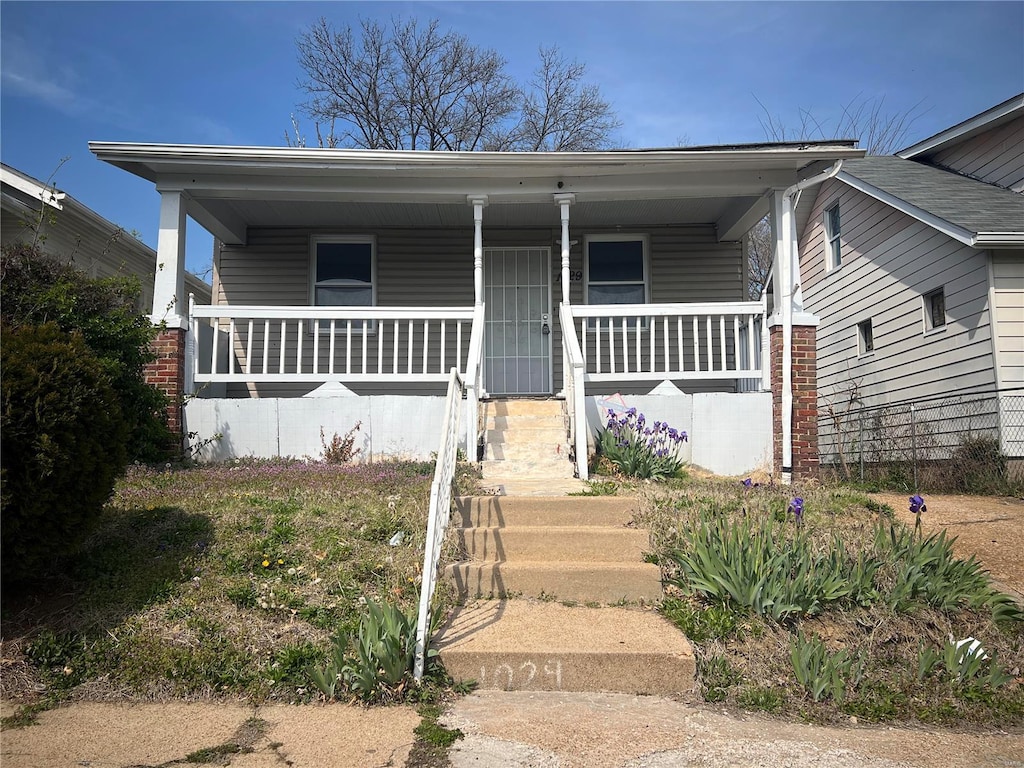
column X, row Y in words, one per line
column 508, row 676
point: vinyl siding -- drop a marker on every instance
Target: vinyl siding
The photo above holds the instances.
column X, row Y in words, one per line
column 434, row 267
column 1008, row 303
column 889, row 262
column 995, row 156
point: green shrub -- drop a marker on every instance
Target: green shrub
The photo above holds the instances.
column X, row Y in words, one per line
column 37, row 289
column 63, row 444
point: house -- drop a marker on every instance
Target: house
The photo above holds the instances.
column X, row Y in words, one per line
column 34, row 211
column 347, row 284
column 914, row 265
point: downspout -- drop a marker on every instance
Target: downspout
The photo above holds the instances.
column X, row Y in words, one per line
column 790, row 199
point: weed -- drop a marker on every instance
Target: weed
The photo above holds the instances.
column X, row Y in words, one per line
column 598, row 488
column 716, row 677
column 340, row 450
column 762, row 698
column 824, row 675
column 699, row 624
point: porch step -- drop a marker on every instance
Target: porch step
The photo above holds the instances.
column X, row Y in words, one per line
column 536, row 646
column 525, row 438
column 524, row 407
column 554, row 543
column 523, row 451
column 525, row 433
column 490, row 511
column 497, row 469
column 584, row 582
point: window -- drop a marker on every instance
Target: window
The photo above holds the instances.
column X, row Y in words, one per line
column 616, row 269
column 343, row 272
column 865, row 337
column 935, row 310
column 833, row 230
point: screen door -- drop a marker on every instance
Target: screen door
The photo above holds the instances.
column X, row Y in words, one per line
column 517, row 345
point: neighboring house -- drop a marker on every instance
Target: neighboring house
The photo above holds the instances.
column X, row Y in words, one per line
column 914, row 264
column 348, row 282
column 33, row 211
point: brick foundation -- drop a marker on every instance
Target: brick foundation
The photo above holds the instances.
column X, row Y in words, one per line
column 167, row 372
column 805, row 401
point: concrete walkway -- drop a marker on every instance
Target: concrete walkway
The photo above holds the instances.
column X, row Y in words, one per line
column 502, row 730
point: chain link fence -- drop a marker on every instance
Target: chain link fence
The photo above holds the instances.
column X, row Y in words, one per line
column 962, row 444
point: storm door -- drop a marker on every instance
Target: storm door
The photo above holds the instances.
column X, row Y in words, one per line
column 517, row 345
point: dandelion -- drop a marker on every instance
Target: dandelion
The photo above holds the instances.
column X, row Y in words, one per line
column 280, row 561
column 266, row 563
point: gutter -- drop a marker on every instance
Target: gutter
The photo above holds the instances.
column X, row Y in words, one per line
column 790, row 200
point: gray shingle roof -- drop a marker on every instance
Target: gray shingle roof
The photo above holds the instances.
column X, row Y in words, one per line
column 967, row 203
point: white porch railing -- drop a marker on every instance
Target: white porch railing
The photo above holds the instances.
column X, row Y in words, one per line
column 715, row 340
column 440, row 513
column 474, row 381
column 573, row 373
column 319, row 344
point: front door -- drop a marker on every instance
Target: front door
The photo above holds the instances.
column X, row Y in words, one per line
column 517, row 346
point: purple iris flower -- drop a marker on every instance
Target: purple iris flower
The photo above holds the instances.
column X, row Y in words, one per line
column 748, row 483
column 796, row 506
column 917, row 505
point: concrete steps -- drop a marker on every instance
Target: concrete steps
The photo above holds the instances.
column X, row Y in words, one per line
column 525, row 438
column 584, row 552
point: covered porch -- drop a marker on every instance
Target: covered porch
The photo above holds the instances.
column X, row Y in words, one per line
column 570, row 275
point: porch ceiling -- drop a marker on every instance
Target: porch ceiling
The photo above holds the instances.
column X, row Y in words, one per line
column 228, row 189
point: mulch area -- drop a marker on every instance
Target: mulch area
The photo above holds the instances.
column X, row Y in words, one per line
column 990, row 527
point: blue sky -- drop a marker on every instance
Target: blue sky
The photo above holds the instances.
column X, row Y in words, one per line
column 226, row 73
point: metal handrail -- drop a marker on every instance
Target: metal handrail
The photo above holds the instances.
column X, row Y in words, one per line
column 439, row 514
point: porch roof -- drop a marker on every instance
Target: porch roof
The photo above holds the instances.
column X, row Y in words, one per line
column 228, row 189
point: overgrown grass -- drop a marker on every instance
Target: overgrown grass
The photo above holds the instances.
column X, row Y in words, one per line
column 221, row 581
column 843, row 613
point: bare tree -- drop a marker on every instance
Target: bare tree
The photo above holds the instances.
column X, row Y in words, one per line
column 760, row 252
column 879, row 130
column 412, row 86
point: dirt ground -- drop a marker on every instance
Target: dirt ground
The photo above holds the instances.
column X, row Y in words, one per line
column 990, row 527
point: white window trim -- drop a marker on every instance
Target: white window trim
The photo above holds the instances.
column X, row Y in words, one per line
column 619, row 238
column 859, row 338
column 833, row 240
column 926, row 312
column 316, row 240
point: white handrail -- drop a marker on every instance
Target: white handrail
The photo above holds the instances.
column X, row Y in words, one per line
column 439, row 514
column 574, row 373
column 474, row 381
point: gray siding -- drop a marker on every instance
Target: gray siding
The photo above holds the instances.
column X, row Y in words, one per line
column 434, row 267
column 995, row 156
column 1008, row 304
column 889, row 261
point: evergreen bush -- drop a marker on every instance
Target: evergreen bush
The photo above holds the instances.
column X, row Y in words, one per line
column 62, row 444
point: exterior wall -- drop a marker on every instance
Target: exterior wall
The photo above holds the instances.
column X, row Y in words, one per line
column 167, row 373
column 390, row 426
column 434, row 267
column 1008, row 308
column 99, row 251
column 889, row 261
column 995, row 156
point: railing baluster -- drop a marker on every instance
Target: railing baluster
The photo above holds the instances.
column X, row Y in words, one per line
column 664, row 341
column 625, row 345
column 721, row 330
column 298, row 349
column 248, row 348
column 216, row 338
column 408, row 368
column 444, row 324
column 348, row 345
column 679, row 343
column 696, row 344
column 458, row 348
column 363, row 369
column 231, row 346
column 284, row 337
column 330, row 348
column 316, row 345
column 750, row 343
column 597, row 340
column 736, row 342
column 426, row 338
column 266, row 343
column 583, row 348
column 711, row 345
column 394, row 350
column 611, row 344
column 639, row 345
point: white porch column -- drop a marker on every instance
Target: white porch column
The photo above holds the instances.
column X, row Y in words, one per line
column 782, row 281
column 479, row 202
column 169, row 283
column 563, row 201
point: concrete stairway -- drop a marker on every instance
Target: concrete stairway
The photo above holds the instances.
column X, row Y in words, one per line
column 579, row 552
column 525, row 438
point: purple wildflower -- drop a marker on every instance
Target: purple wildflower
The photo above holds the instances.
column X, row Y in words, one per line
column 917, row 505
column 796, row 506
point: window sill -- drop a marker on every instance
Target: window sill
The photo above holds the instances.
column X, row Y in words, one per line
column 934, row 331
column 865, row 355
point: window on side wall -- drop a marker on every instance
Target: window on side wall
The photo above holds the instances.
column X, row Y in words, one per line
column 615, row 269
column 833, row 232
column 865, row 337
column 935, row 310
column 344, row 272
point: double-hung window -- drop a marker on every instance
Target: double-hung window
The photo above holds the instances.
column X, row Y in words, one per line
column 833, row 231
column 344, row 271
column 935, row 310
column 616, row 269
